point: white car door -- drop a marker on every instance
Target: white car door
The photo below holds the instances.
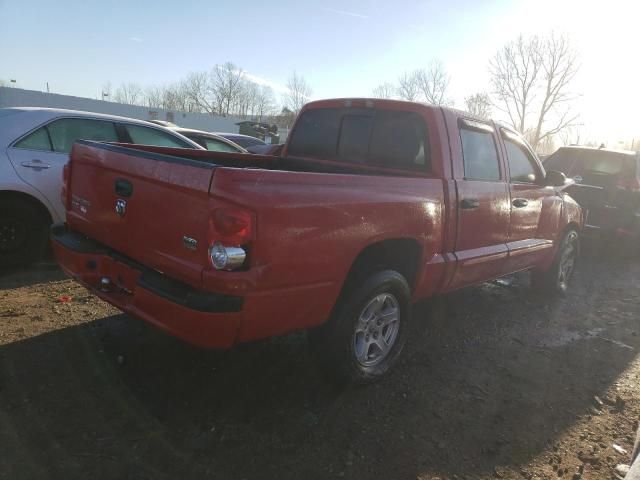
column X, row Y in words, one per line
column 40, row 156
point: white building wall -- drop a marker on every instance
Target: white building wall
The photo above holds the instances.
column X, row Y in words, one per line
column 17, row 97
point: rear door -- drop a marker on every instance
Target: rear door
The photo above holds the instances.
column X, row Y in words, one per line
column 39, row 156
column 483, row 203
column 530, row 238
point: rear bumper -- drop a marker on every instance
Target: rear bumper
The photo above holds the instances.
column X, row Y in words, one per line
column 196, row 316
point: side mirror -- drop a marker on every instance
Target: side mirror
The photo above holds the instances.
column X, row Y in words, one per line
column 555, row 179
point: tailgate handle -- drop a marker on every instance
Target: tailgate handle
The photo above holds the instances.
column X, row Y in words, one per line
column 123, row 187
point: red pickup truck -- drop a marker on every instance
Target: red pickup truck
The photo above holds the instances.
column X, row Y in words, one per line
column 370, row 206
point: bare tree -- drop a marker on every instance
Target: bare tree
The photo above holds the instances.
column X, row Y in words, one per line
column 479, row 105
column 265, row 102
column 384, row 90
column 153, row 96
column 408, row 88
column 128, row 93
column 226, row 84
column 531, row 77
column 197, row 88
column 299, row 92
column 433, row 83
column 559, row 67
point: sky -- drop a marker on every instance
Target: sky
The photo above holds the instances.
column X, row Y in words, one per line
column 342, row 48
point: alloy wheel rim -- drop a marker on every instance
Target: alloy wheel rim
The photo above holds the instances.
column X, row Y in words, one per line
column 376, row 330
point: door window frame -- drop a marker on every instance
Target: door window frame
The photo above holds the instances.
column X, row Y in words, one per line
column 508, row 135
column 480, row 127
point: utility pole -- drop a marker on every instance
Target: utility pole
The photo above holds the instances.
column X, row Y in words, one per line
column 48, row 87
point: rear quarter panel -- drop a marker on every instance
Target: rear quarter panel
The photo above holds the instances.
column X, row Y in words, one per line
column 310, row 229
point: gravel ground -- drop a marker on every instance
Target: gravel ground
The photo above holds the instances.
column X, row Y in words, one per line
column 497, row 383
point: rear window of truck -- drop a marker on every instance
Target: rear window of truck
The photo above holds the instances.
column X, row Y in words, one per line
column 382, row 138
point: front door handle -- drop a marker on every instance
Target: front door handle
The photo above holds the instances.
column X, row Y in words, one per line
column 520, row 203
column 469, row 203
column 36, row 165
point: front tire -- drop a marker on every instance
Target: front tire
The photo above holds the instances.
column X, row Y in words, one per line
column 557, row 278
column 369, row 328
column 23, row 233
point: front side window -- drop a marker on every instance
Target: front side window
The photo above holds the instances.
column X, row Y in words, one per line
column 521, row 166
column 480, row 155
column 66, row 131
column 141, row 135
column 38, row 140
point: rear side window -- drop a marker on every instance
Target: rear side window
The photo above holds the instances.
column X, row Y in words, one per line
column 214, row 145
column 382, row 138
column 66, row 131
column 38, row 140
column 153, row 136
column 522, row 167
column 480, row 155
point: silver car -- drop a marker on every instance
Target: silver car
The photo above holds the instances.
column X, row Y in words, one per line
column 34, row 147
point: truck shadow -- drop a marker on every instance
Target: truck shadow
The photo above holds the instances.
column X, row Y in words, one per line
column 43, row 272
column 492, row 376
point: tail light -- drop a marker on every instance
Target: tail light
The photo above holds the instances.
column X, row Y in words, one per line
column 231, row 230
column 64, row 193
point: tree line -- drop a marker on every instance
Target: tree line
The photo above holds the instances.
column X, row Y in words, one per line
column 224, row 90
column 530, row 84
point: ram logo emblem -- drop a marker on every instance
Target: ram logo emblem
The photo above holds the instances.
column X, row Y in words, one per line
column 121, row 207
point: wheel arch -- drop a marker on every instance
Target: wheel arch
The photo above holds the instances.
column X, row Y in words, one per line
column 42, row 209
column 400, row 254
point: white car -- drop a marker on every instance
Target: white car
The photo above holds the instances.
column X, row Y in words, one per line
column 34, row 147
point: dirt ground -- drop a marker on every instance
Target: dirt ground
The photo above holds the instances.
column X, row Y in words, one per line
column 497, row 383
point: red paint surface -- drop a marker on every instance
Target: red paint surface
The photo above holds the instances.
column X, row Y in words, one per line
column 308, row 228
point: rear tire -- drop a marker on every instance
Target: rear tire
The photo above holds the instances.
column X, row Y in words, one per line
column 368, row 330
column 556, row 279
column 23, row 233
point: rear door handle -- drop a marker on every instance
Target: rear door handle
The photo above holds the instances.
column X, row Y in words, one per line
column 36, row 165
column 123, row 188
column 469, row 203
column 520, row 202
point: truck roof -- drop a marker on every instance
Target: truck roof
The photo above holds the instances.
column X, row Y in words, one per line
column 368, row 102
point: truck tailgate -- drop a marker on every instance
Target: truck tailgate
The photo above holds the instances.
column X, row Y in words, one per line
column 146, row 206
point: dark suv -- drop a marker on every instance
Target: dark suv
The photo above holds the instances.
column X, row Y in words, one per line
column 607, row 186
